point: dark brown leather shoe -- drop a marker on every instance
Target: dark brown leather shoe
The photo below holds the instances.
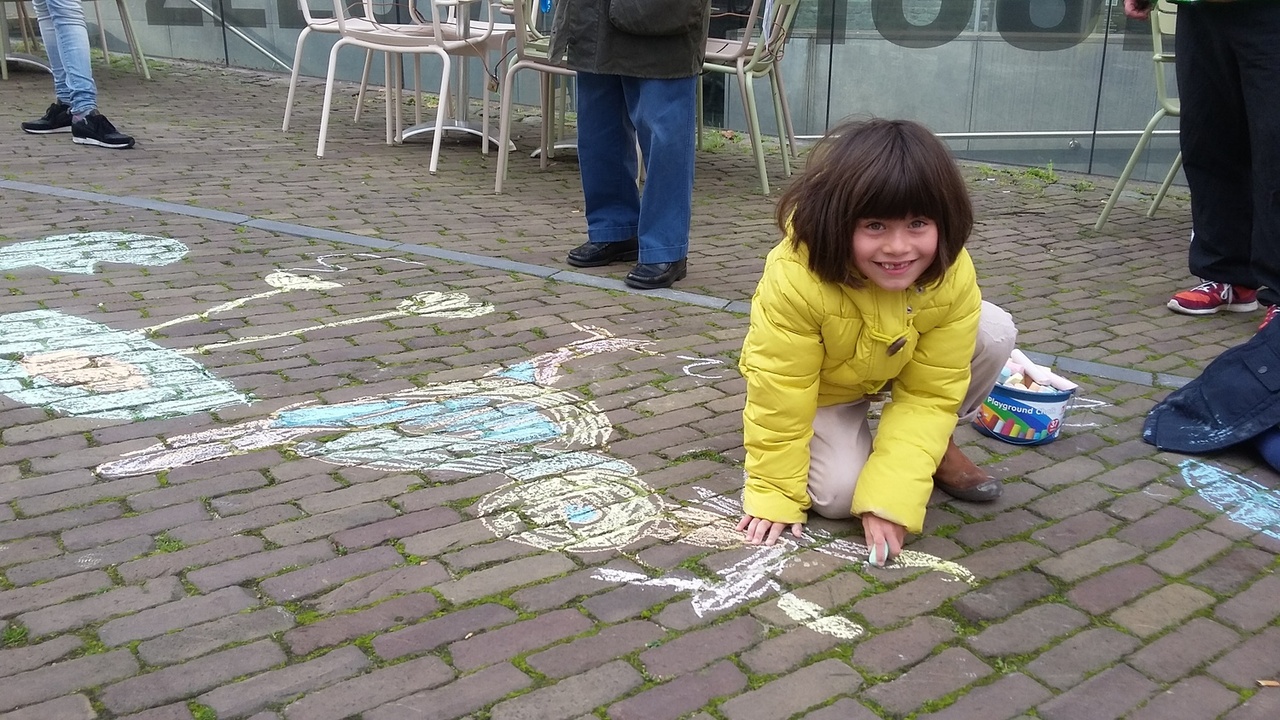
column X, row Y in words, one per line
column 958, row 477
column 651, row 276
column 593, row 254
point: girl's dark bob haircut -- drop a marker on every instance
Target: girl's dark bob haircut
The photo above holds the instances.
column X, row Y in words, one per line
column 874, row 169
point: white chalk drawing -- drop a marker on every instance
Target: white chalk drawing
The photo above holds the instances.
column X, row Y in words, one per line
column 692, row 368
column 80, row 252
column 423, row 304
column 754, row 577
column 1244, row 501
column 1078, row 402
column 282, row 280
column 565, row 493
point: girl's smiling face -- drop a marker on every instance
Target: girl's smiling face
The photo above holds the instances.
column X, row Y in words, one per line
column 893, row 254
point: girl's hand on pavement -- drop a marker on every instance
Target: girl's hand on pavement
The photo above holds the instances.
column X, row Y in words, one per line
column 765, row 532
column 881, row 534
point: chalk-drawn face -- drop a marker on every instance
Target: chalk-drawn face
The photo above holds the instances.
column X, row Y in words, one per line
column 98, row 374
column 82, row 368
column 580, row 511
column 80, row 252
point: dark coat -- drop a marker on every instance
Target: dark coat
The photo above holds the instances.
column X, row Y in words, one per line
column 584, row 37
column 1235, row 399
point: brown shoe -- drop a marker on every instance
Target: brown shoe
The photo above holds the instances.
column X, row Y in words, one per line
column 958, row 477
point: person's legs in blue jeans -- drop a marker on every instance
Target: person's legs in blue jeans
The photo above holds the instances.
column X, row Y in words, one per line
column 663, row 113
column 66, row 39
column 607, row 159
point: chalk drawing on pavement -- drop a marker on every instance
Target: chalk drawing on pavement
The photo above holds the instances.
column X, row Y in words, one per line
column 565, row 493
column 1078, row 402
column 1244, row 501
column 692, row 369
column 282, row 280
column 510, row 417
column 755, row 576
column 424, row 304
column 82, row 368
column 80, row 252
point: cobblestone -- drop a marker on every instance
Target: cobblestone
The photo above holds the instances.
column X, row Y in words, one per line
column 940, row 675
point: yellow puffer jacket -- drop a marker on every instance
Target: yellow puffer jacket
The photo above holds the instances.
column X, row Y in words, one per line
column 813, row 344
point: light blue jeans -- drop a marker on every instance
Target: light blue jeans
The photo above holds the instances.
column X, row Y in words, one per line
column 66, row 39
column 613, row 113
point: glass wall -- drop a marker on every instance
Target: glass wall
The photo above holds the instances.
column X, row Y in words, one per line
column 1028, row 82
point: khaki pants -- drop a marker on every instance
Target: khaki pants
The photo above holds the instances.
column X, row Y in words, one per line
column 842, row 438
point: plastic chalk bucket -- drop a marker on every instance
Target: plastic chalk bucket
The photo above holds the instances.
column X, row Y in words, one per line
column 1022, row 417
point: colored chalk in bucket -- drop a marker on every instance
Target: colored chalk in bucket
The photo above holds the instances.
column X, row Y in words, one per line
column 1022, row 417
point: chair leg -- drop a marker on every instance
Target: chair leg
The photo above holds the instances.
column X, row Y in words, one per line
column 1164, row 186
column 786, row 112
column 364, row 83
column 551, row 119
column 780, row 118
column 1128, row 169
column 417, row 89
column 504, row 130
column 293, row 79
column 753, row 127
column 102, row 32
column 4, row 42
column 440, row 112
column 328, row 98
column 139, row 60
column 394, row 82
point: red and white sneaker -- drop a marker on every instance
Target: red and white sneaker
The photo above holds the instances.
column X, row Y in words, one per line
column 1210, row 297
column 1272, row 311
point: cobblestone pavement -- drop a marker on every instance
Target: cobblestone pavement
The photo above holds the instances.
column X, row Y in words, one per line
column 325, row 439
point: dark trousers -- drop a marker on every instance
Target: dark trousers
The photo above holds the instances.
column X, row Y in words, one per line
column 1228, row 62
column 614, row 112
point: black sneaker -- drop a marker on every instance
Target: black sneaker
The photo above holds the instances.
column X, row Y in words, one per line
column 96, row 129
column 56, row 119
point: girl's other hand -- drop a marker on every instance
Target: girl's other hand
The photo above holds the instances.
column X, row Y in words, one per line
column 881, row 533
column 765, row 532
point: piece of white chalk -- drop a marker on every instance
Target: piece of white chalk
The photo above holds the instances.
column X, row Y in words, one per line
column 879, row 554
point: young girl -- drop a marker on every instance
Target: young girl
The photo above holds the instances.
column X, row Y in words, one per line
column 871, row 290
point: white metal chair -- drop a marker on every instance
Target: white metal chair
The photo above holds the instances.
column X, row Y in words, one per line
column 1163, row 23
column 320, row 25
column 396, row 40
column 531, row 53
column 757, row 54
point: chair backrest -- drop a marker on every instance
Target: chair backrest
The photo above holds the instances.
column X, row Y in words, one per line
column 1164, row 17
column 778, row 17
column 763, row 38
column 531, row 43
column 309, row 17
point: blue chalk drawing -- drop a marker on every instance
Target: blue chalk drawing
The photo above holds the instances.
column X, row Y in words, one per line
column 80, row 252
column 85, row 369
column 1245, row 501
column 510, row 417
